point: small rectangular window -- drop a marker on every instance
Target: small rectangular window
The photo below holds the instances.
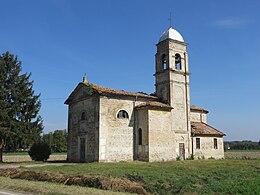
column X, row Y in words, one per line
column 140, row 136
column 197, row 143
column 215, row 143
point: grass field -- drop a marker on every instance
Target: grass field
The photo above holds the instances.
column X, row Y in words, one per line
column 228, row 176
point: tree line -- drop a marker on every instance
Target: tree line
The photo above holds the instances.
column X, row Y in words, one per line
column 242, row 145
column 57, row 140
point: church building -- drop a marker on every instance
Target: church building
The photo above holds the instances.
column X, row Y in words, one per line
column 107, row 125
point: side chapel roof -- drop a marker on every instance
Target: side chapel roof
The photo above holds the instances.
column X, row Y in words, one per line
column 195, row 108
column 200, row 128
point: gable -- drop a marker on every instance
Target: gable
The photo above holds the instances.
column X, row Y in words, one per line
column 80, row 92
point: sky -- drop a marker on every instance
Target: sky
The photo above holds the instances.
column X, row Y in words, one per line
column 114, row 42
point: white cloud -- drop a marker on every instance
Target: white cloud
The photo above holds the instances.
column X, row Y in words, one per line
column 230, row 23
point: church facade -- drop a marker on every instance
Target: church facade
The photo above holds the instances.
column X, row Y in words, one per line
column 107, row 125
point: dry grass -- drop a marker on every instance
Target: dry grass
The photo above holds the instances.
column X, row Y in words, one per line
column 37, row 187
column 27, row 158
column 105, row 183
column 242, row 155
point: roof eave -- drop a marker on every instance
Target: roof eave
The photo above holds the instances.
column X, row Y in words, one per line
column 154, row 108
column 208, row 135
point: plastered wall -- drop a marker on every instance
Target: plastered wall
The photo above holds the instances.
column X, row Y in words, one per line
column 207, row 148
column 88, row 129
column 161, row 136
column 116, row 134
column 197, row 116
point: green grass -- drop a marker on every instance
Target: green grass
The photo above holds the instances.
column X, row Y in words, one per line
column 37, row 187
column 228, row 176
column 15, row 153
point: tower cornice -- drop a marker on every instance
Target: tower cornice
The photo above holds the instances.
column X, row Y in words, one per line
column 173, row 70
column 172, row 40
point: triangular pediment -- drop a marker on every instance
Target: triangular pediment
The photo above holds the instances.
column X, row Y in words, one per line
column 80, row 92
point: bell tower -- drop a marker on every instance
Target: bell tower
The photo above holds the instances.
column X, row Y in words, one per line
column 172, row 78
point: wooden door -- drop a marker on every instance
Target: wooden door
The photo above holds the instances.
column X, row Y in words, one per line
column 182, row 151
column 82, row 149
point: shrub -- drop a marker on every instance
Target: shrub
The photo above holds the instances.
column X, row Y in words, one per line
column 40, row 151
column 191, row 157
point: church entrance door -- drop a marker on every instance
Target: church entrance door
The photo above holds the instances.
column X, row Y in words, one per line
column 82, row 149
column 182, row 151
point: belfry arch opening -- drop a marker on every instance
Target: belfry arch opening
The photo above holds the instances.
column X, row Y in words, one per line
column 83, row 116
column 164, row 62
column 178, row 61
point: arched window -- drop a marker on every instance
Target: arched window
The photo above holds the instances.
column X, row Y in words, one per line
column 164, row 62
column 83, row 116
column 178, row 61
column 140, row 136
column 122, row 114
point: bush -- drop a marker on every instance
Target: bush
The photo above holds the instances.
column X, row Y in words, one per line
column 191, row 157
column 40, row 151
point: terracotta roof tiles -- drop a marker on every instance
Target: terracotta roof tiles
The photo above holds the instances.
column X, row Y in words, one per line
column 154, row 105
column 196, row 108
column 106, row 90
column 200, row 128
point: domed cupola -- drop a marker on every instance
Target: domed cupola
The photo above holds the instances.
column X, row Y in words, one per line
column 171, row 34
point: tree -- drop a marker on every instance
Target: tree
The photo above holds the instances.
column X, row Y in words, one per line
column 59, row 141
column 48, row 138
column 20, row 123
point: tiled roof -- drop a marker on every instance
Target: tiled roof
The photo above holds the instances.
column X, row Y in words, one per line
column 199, row 128
column 195, row 108
column 106, row 90
column 109, row 91
column 154, row 105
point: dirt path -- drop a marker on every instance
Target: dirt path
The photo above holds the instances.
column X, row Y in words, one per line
column 27, row 158
column 8, row 192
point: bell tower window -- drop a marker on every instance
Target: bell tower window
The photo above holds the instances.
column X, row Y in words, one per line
column 83, row 116
column 164, row 62
column 178, row 61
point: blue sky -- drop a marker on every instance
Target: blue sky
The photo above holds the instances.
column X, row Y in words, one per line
column 113, row 42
